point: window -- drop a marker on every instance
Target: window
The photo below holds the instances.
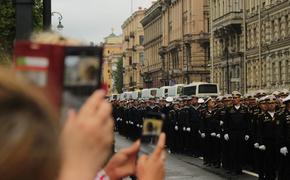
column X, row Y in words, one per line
column 191, row 90
column 279, row 28
column 273, row 30
column 286, row 70
column 286, row 25
column 130, row 60
column 141, row 58
column 273, row 73
column 141, row 40
column 207, row 88
column 280, row 72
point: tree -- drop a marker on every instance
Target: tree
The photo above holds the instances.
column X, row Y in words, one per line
column 7, row 26
column 118, row 76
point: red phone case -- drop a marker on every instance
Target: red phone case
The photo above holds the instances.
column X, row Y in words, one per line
column 44, row 59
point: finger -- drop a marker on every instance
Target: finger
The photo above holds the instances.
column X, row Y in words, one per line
column 104, row 112
column 163, row 156
column 133, row 149
column 71, row 114
column 160, row 146
column 143, row 159
column 93, row 102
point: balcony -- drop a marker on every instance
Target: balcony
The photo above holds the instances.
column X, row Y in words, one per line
column 231, row 19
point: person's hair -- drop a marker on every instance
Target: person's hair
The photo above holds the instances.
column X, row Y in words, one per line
column 28, row 133
column 50, row 37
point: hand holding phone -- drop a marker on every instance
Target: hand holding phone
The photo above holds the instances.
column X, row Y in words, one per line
column 152, row 127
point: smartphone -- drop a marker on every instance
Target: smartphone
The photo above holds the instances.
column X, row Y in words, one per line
column 152, row 127
column 81, row 74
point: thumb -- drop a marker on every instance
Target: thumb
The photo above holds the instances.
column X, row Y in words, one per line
column 132, row 149
column 160, row 146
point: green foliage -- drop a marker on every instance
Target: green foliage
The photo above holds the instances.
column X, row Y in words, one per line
column 118, row 76
column 7, row 26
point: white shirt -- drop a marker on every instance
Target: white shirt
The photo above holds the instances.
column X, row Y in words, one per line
column 271, row 114
column 237, row 107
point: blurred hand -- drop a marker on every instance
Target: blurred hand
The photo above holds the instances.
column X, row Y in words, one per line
column 202, row 135
column 176, row 128
column 256, row 145
column 226, row 136
column 247, row 137
column 123, row 163
column 213, row 134
column 87, row 138
column 218, row 136
column 152, row 167
column 284, row 151
column 262, row 147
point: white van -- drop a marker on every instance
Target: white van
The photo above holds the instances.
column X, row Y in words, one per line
column 114, row 97
column 149, row 93
column 126, row 96
column 201, row 89
column 175, row 91
column 162, row 92
column 136, row 94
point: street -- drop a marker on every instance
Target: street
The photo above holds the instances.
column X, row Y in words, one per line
column 184, row 167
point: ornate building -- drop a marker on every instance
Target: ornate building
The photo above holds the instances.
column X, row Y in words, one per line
column 133, row 51
column 185, row 41
column 112, row 54
column 152, row 69
column 263, row 61
column 227, row 44
column 268, row 44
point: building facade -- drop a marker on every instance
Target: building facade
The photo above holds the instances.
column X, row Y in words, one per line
column 133, row 51
column 250, row 44
column 152, row 71
column 185, row 41
column 227, row 43
column 113, row 52
column 268, row 44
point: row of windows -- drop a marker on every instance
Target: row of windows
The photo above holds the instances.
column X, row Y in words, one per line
column 273, row 73
column 270, row 31
column 222, row 7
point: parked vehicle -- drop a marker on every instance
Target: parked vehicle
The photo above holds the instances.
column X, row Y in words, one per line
column 201, row 89
column 149, row 93
column 175, row 90
column 162, row 92
column 136, row 94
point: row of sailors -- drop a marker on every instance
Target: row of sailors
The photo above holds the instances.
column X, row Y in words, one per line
column 224, row 131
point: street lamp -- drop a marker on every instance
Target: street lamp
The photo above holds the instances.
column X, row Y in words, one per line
column 59, row 26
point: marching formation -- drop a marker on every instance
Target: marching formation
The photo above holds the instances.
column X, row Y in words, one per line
column 231, row 131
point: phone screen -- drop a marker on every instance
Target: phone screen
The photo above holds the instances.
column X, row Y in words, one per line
column 152, row 128
column 81, row 76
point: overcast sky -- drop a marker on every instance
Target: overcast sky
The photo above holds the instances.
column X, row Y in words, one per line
column 92, row 20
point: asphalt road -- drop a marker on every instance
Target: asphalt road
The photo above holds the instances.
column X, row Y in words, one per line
column 184, row 167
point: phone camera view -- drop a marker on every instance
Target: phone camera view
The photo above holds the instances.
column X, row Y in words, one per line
column 81, row 79
column 81, row 70
column 152, row 128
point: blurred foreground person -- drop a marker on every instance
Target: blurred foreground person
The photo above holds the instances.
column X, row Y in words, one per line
column 28, row 133
column 79, row 150
column 29, row 138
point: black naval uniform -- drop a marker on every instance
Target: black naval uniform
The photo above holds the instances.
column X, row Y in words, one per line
column 210, row 124
column 269, row 135
column 194, row 124
column 237, row 126
column 284, row 171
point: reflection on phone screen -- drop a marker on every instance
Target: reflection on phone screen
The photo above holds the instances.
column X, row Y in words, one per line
column 81, row 78
column 152, row 128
